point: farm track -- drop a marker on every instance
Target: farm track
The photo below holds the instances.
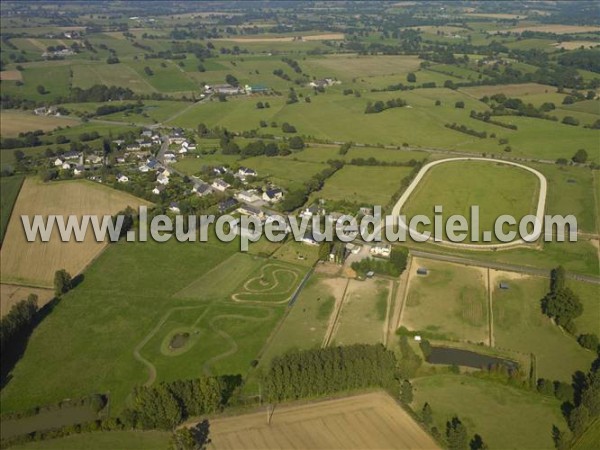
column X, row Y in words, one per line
column 335, row 316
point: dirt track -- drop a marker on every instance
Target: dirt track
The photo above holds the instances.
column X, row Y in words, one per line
column 366, row 421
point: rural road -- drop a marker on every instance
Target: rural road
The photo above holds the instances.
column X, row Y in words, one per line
column 423, row 237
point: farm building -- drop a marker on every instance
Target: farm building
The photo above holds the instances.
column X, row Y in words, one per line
column 381, row 250
column 256, row 89
column 422, row 271
column 504, row 286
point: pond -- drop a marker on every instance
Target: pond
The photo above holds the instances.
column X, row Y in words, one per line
column 450, row 356
column 179, row 340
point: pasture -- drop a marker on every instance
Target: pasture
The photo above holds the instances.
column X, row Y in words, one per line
column 506, row 417
column 132, row 440
column 456, row 186
column 363, row 184
column 34, row 263
column 12, row 123
column 88, row 75
column 449, row 303
column 212, row 318
column 347, row 67
column 363, row 313
column 367, row 421
column 10, row 187
column 520, row 325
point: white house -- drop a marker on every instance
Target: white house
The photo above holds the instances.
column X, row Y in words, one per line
column 381, row 250
column 244, row 172
column 158, row 189
column 220, row 185
column 66, row 165
column 174, row 207
column 58, row 162
column 78, row 170
column 249, row 196
column 122, row 178
column 162, row 179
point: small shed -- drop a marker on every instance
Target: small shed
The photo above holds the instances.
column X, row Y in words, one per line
column 418, row 338
column 504, row 286
column 422, row 271
column 370, row 274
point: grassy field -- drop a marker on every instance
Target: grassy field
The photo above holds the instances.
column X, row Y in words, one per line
column 34, row 263
column 504, row 416
column 13, row 123
column 55, row 78
column 589, row 439
column 450, row 302
column 363, row 313
column 362, row 184
column 306, row 323
column 124, row 339
column 284, row 172
column 9, row 187
column 131, row 440
column 588, row 294
column 367, row 421
column 520, row 325
column 456, row 186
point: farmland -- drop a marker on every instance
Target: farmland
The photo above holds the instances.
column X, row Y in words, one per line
column 35, row 263
column 367, row 421
column 448, row 303
column 15, row 123
column 10, row 187
column 506, row 416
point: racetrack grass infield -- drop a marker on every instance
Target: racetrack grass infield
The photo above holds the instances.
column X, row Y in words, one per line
column 456, row 186
column 505, row 416
column 449, row 303
column 520, row 325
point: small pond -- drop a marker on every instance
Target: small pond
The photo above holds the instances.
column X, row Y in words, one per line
column 450, row 356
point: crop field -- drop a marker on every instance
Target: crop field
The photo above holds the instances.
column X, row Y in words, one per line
column 34, row 263
column 555, row 28
column 362, row 184
column 510, row 90
column 363, row 313
column 505, row 416
column 11, row 294
column 456, row 186
column 368, row 421
column 10, row 187
column 13, row 123
column 520, row 325
column 10, row 75
column 448, row 303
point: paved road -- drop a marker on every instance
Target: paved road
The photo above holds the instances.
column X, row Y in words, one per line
column 500, row 266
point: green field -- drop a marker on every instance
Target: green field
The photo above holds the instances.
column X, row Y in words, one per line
column 283, row 172
column 131, row 303
column 131, row 440
column 364, row 185
column 9, row 188
column 506, row 417
column 589, row 439
column 448, row 303
column 520, row 325
column 363, row 314
column 456, row 186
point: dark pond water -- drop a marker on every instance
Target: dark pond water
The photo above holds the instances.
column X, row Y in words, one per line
column 449, row 356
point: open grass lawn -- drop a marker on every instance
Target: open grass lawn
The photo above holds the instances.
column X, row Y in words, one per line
column 520, row 325
column 448, row 303
column 506, row 417
column 13, row 123
column 34, row 263
column 363, row 313
column 9, row 190
column 364, row 184
column 131, row 440
column 456, row 186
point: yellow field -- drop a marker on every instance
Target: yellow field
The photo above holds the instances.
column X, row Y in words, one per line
column 558, row 29
column 572, row 45
column 310, row 37
column 11, row 294
column 509, row 89
column 12, row 123
column 11, row 75
column 34, row 263
column 367, row 421
column 366, row 66
column 495, row 15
